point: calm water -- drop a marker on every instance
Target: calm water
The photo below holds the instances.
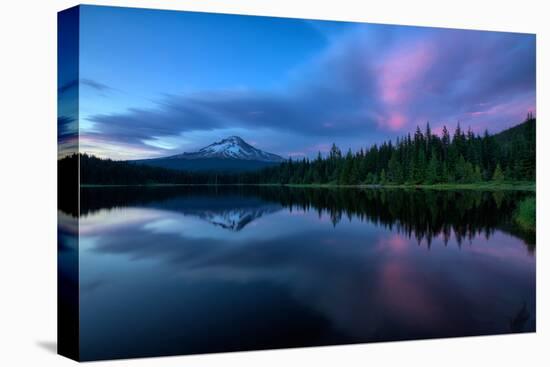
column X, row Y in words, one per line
column 194, row 270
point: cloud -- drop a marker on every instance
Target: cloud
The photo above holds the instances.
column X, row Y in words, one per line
column 85, row 82
column 67, row 86
column 95, row 85
column 350, row 284
column 474, row 73
column 67, row 135
column 377, row 81
column 66, row 125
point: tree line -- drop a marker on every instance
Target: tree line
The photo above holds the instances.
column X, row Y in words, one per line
column 421, row 158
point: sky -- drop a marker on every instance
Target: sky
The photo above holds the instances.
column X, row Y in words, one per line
column 154, row 83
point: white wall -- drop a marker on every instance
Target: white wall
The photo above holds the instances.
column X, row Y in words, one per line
column 28, row 201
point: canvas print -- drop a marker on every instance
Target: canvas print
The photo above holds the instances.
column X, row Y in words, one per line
column 233, row 182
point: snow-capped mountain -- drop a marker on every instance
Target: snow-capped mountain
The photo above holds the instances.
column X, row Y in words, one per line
column 232, row 147
column 231, row 154
column 236, row 219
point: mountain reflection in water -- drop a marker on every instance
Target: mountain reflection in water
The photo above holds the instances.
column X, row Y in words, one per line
column 422, row 214
column 203, row 269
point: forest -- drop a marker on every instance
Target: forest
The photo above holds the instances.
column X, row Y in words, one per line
column 421, row 158
column 424, row 158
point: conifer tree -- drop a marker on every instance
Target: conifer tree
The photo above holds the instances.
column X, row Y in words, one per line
column 498, row 175
column 432, row 175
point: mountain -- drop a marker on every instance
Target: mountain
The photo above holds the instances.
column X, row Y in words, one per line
column 234, row 218
column 522, row 134
column 231, row 154
column 232, row 147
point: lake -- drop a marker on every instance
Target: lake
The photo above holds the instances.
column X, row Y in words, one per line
column 181, row 270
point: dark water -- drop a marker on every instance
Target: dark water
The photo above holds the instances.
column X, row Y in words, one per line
column 195, row 270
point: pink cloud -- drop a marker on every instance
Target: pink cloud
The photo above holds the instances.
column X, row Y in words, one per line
column 399, row 281
column 394, row 121
column 438, row 130
column 401, row 69
column 395, row 244
column 512, row 111
column 398, row 74
column 488, row 116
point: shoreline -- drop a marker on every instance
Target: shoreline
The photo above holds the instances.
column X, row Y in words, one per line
column 483, row 186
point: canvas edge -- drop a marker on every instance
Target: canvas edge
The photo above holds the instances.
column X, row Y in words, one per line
column 68, row 320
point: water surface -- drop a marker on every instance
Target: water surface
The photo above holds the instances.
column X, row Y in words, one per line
column 179, row 270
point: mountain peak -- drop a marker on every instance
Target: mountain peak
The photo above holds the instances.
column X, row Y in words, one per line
column 231, row 139
column 234, row 138
column 232, row 147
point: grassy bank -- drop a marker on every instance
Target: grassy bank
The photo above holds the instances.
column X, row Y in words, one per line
column 525, row 215
column 487, row 186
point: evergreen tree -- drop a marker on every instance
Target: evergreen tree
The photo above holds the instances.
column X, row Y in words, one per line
column 335, row 152
column 383, row 177
column 395, row 169
column 478, row 177
column 498, row 175
column 432, row 172
column 420, row 167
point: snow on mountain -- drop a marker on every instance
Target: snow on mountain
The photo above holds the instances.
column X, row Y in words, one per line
column 232, row 147
column 237, row 219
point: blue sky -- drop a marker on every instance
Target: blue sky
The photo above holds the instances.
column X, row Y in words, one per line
column 155, row 83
